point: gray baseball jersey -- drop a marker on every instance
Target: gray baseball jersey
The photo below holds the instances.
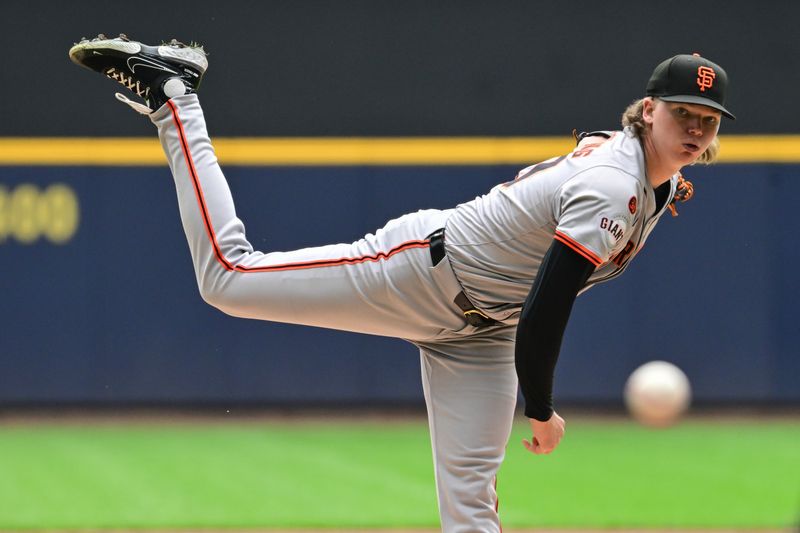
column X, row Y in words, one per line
column 596, row 200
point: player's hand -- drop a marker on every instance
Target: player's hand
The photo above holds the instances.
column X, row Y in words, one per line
column 546, row 435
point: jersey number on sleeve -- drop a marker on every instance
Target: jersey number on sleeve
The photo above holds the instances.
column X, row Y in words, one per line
column 621, row 257
column 538, row 167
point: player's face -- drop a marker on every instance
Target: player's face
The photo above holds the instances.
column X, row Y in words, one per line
column 680, row 132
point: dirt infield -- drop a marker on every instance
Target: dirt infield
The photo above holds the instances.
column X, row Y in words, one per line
column 505, row 530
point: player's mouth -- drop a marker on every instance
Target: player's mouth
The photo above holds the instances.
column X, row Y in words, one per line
column 691, row 147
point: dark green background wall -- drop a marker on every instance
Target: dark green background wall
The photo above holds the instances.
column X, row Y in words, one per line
column 364, row 67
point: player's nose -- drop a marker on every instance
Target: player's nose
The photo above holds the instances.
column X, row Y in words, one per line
column 694, row 126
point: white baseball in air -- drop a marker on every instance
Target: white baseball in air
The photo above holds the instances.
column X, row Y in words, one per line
column 174, row 87
column 657, row 394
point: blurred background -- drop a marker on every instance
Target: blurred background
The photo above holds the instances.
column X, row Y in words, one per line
column 99, row 301
column 100, row 311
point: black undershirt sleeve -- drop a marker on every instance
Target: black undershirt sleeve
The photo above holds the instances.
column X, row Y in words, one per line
column 544, row 317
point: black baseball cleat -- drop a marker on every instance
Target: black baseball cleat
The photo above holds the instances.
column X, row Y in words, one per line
column 153, row 73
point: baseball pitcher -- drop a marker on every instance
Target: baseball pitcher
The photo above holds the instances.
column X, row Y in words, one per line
column 484, row 289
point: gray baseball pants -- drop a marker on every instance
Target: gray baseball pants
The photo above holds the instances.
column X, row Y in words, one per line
column 383, row 284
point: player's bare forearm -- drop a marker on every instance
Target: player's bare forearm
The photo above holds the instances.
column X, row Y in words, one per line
column 546, row 435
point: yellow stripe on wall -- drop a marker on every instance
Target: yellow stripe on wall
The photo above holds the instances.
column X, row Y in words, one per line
column 760, row 149
column 119, row 151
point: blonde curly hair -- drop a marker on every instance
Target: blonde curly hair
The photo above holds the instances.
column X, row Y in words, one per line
column 632, row 117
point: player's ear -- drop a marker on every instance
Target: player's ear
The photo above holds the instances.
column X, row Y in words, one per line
column 648, row 106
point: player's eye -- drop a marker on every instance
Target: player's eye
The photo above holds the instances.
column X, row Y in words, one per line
column 710, row 120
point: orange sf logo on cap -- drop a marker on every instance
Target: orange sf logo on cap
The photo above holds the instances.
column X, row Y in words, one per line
column 705, row 77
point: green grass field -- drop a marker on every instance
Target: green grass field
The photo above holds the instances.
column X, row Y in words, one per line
column 349, row 474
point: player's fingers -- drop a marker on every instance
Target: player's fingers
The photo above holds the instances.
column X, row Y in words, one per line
column 547, row 446
column 543, row 449
column 533, row 446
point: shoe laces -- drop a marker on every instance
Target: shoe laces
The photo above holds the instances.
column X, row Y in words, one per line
column 129, row 82
column 133, row 85
column 136, row 106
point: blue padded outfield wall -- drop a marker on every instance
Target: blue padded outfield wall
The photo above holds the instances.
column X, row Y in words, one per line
column 99, row 303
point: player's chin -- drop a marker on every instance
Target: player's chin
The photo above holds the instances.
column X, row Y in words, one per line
column 689, row 154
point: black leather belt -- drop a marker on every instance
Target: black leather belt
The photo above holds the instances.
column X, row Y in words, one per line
column 437, row 246
column 474, row 316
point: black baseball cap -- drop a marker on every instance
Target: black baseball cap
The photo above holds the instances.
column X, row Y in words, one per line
column 691, row 79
